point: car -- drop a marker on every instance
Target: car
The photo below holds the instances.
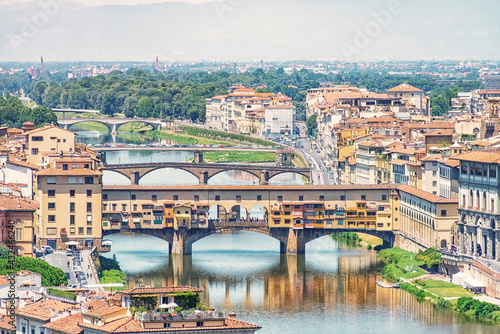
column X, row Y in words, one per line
column 47, row 249
column 72, row 286
column 69, row 251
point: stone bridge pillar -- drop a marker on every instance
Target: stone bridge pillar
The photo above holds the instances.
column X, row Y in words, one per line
column 182, row 243
column 264, row 177
column 134, row 177
column 113, row 128
column 291, row 241
column 203, row 177
column 388, row 240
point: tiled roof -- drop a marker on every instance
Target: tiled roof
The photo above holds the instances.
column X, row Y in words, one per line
column 11, row 203
column 404, row 87
column 167, row 289
column 43, row 310
column 58, row 171
column 452, row 163
column 46, row 127
column 479, row 156
column 23, row 164
column 249, row 187
column 4, row 280
column 128, row 325
column 103, row 311
column 67, row 324
column 440, row 133
column 426, row 195
column 430, row 126
column 5, row 324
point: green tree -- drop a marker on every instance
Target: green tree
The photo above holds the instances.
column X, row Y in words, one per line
column 108, row 104
column 4, row 252
column 53, row 96
column 311, row 124
column 144, row 107
column 42, row 115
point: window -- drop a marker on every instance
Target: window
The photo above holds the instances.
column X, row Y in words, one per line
column 51, row 230
column 52, row 218
column 89, row 206
column 199, row 324
column 443, row 213
column 493, row 171
column 154, row 197
column 196, row 198
column 89, row 193
column 51, row 180
column 72, row 219
column 363, row 197
column 34, row 151
column 176, row 197
column 38, row 138
column 124, row 207
column 280, row 198
column 238, row 198
column 71, row 207
column 434, row 183
column 104, row 197
column 217, row 197
column 434, row 163
column 434, row 173
column 19, row 234
column 51, row 193
column 65, row 166
column 80, row 230
column 134, row 207
column 72, row 230
column 71, row 179
column 342, row 197
column 89, row 180
column 132, row 197
column 384, row 197
column 321, row 197
column 259, row 197
column 301, row 198
column 71, row 193
column 89, row 230
column 87, row 166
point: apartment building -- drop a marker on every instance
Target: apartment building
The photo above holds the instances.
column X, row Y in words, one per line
column 69, row 197
column 479, row 189
column 408, row 95
column 46, row 140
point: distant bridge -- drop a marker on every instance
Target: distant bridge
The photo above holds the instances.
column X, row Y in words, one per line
column 204, row 171
column 76, row 111
column 113, row 124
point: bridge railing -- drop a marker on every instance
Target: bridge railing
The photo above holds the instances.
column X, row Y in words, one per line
column 248, row 224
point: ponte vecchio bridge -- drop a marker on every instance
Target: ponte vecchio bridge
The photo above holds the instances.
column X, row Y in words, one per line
column 204, row 171
column 294, row 215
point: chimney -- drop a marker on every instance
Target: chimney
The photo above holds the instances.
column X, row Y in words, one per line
column 232, row 316
column 53, row 312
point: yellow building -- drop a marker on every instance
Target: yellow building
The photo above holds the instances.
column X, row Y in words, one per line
column 46, row 140
column 70, row 206
column 16, row 221
column 182, row 216
column 426, row 219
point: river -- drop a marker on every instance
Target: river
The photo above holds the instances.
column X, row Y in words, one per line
column 329, row 290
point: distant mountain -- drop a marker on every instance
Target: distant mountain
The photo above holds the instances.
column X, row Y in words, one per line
column 252, row 30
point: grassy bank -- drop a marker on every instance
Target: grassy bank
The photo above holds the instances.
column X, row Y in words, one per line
column 109, row 271
column 225, row 136
column 465, row 305
column 357, row 239
column 400, row 264
column 235, row 156
column 183, row 138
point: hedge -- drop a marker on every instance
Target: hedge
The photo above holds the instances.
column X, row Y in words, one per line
column 61, row 293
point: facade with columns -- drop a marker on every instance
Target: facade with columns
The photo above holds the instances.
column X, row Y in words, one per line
column 479, row 210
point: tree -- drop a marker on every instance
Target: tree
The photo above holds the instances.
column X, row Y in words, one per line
column 42, row 115
column 144, row 107
column 53, row 96
column 108, row 103
column 4, row 252
column 311, row 124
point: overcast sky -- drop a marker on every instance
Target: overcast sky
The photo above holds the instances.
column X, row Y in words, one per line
column 242, row 30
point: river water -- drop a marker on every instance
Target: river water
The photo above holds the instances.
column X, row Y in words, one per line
column 329, row 290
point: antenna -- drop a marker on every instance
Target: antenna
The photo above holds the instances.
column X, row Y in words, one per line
column 156, row 66
column 43, row 69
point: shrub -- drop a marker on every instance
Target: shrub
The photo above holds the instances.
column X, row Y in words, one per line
column 61, row 293
column 369, row 247
column 51, row 276
column 430, row 257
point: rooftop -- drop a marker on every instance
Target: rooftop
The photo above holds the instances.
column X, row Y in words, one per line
column 44, row 310
column 426, row 195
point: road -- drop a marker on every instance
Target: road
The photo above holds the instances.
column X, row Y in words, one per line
column 65, row 262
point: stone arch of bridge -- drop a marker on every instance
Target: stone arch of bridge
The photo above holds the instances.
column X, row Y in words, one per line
column 109, row 126
column 119, row 125
column 211, row 175
column 161, row 167
column 273, row 174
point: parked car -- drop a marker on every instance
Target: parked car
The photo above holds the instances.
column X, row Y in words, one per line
column 47, row 249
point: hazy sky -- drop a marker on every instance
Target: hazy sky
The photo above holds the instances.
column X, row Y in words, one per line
column 241, row 30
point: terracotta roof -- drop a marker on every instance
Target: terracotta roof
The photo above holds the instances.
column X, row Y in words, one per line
column 103, row 311
column 399, row 162
column 23, row 164
column 4, row 280
column 5, row 324
column 58, row 171
column 4, row 149
column 452, row 162
column 12, row 203
column 14, row 130
column 128, row 325
column 479, row 156
column 167, row 289
column 46, row 127
column 440, row 133
column 281, row 106
column 430, row 126
column 382, row 119
column 404, row 87
column 43, row 310
column 426, row 195
column 67, row 324
column 247, row 187
column 431, row 158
